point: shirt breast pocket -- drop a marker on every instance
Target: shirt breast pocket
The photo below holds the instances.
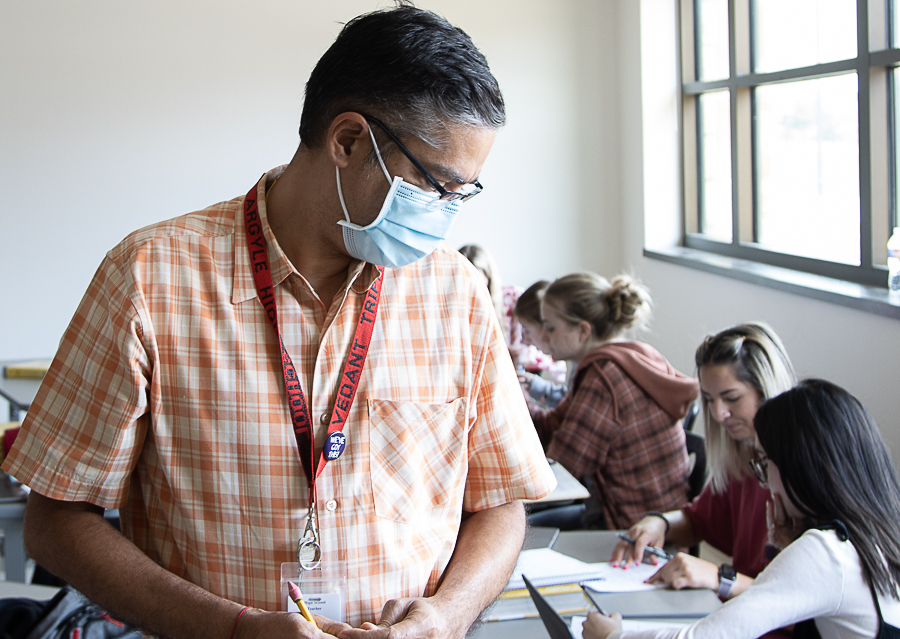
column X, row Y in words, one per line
column 418, row 459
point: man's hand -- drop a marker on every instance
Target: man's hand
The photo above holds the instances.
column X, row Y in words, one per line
column 408, row 619
column 525, row 379
column 686, row 571
column 486, row 550
column 599, row 626
column 259, row 624
column 649, row 531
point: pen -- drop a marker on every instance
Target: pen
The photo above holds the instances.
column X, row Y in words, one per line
column 653, row 551
column 297, row 597
column 587, row 594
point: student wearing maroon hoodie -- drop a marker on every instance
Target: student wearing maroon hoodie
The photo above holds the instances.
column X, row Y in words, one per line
column 620, row 422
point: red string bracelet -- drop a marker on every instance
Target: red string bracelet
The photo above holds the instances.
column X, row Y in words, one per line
column 236, row 621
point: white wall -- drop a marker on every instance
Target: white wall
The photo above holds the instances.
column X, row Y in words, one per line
column 114, row 115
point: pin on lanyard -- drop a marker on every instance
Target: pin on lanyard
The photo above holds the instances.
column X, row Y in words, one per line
column 309, row 550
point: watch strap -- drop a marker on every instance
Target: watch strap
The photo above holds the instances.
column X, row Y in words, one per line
column 727, row 577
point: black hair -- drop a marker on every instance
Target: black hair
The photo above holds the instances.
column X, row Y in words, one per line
column 834, row 464
column 408, row 67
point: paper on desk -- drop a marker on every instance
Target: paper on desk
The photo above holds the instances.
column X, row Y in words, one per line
column 546, row 567
column 624, row 580
column 628, row 624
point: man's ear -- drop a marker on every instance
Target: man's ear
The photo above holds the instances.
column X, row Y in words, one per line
column 346, row 140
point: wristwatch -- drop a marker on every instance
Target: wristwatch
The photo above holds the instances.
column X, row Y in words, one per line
column 727, row 577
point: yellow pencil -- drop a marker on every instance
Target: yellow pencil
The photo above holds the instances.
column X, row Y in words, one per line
column 297, row 597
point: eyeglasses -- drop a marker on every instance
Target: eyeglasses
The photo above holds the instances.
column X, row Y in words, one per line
column 467, row 191
column 760, row 468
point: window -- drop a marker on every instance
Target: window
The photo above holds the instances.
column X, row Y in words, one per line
column 791, row 132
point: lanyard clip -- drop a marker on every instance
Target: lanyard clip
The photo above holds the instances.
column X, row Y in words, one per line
column 309, row 552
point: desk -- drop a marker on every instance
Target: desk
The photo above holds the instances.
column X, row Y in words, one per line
column 17, row 391
column 589, row 546
column 567, row 487
column 41, row 593
column 11, row 516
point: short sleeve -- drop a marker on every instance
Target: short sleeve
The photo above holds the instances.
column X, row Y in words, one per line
column 84, row 432
column 506, row 462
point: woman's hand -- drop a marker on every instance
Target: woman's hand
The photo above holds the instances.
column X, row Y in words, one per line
column 687, row 571
column 783, row 529
column 599, row 626
column 649, row 531
column 525, row 380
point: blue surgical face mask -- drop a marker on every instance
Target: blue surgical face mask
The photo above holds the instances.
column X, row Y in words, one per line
column 409, row 226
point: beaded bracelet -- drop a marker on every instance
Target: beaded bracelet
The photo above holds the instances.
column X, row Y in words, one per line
column 655, row 513
column 236, row 621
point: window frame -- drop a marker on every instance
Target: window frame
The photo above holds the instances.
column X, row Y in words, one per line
column 878, row 162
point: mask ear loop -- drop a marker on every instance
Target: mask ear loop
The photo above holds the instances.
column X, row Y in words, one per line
column 378, row 155
column 337, row 172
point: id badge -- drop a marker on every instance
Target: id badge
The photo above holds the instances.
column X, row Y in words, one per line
column 324, row 589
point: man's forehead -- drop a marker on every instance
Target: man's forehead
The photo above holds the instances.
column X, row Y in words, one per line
column 462, row 155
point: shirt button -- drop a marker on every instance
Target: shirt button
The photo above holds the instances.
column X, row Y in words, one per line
column 331, row 505
column 324, row 419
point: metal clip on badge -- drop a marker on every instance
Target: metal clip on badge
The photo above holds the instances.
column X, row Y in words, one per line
column 309, row 553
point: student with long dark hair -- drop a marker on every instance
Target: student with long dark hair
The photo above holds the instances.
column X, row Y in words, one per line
column 831, row 476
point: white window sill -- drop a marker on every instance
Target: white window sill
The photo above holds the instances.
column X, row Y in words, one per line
column 864, row 298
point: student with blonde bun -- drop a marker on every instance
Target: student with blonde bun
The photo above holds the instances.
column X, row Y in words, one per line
column 739, row 368
column 620, row 423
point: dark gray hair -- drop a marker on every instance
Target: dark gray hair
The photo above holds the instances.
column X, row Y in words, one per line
column 409, row 68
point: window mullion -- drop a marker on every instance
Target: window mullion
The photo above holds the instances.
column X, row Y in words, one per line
column 733, row 101
column 865, row 158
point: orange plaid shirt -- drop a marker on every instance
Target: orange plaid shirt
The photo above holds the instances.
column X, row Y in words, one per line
column 166, row 400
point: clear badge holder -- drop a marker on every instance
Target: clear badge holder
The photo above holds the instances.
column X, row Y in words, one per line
column 324, row 589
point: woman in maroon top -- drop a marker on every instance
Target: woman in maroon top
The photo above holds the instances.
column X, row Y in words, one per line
column 739, row 368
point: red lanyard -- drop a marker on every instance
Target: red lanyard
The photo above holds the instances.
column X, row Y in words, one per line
column 350, row 376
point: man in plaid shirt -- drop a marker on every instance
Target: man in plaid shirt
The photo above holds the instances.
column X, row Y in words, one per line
column 168, row 400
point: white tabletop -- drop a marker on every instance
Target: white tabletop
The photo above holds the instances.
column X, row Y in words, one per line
column 567, row 487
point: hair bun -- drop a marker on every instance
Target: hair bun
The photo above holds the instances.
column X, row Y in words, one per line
column 627, row 303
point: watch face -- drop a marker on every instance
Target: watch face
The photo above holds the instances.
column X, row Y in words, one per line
column 727, row 572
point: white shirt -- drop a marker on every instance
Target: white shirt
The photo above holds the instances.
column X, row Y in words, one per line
column 818, row 576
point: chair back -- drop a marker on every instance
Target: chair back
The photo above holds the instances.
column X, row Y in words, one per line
column 696, row 446
column 691, row 417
